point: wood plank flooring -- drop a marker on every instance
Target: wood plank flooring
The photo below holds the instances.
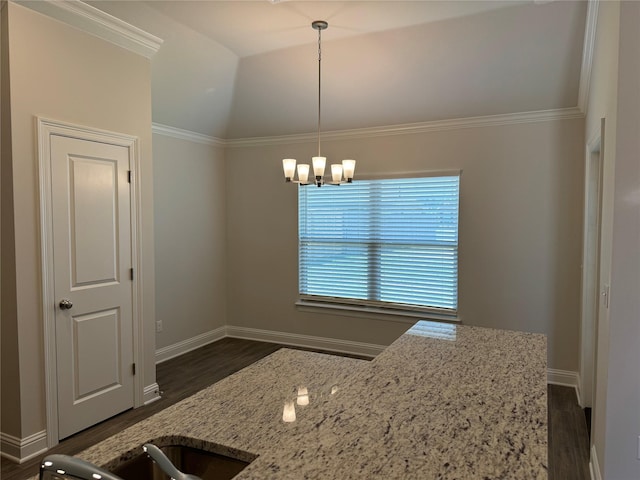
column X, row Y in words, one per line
column 568, row 436
column 183, row 376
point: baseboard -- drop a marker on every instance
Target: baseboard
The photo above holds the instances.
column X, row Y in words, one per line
column 594, row 466
column 557, row 377
column 308, row 341
column 579, row 389
column 165, row 353
column 566, row 378
column 20, row 450
column 151, row 393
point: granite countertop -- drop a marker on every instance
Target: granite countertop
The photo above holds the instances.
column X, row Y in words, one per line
column 443, row 401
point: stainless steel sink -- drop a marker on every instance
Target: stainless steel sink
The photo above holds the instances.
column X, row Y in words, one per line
column 203, row 464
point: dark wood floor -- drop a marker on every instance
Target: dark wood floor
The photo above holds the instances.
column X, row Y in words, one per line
column 183, row 376
column 568, row 436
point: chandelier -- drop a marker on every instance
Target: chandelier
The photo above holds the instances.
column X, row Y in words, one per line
column 340, row 173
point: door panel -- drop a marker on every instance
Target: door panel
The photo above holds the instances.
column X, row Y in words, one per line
column 92, row 258
column 94, row 220
column 96, row 335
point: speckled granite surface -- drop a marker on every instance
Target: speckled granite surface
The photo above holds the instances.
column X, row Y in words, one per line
column 442, row 402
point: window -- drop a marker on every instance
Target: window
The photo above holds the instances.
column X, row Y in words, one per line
column 389, row 243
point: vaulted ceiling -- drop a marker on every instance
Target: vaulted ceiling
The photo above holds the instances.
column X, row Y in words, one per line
column 238, row 69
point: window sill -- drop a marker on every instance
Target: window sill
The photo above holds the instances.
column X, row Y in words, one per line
column 387, row 314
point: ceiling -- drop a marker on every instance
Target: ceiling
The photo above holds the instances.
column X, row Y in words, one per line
column 238, row 69
column 253, row 27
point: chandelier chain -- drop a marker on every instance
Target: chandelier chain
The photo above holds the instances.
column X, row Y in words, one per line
column 319, row 84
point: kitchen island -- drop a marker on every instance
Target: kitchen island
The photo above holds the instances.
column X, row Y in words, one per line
column 443, row 401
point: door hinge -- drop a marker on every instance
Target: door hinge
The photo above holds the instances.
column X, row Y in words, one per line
column 129, row 176
column 133, row 368
column 131, row 273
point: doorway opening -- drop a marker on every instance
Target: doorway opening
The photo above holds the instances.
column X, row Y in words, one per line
column 590, row 273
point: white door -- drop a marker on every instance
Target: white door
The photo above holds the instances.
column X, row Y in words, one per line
column 92, row 281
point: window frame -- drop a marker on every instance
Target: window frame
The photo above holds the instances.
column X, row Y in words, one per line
column 385, row 310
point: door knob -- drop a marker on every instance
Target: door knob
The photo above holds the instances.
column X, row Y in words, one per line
column 66, row 304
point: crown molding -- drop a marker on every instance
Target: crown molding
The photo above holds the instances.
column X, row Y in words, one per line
column 98, row 23
column 587, row 54
column 415, row 128
column 405, row 129
column 175, row 132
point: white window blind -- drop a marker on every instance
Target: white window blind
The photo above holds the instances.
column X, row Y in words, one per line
column 389, row 243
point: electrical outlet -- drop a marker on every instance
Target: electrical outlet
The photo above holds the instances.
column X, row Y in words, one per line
column 159, row 326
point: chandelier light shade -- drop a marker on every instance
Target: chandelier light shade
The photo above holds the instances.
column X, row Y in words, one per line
column 303, row 173
column 340, row 173
column 289, row 166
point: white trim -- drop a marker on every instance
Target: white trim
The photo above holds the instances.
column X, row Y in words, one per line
column 98, row 23
column 45, row 129
column 587, row 54
column 594, row 466
column 138, row 282
column 592, row 199
column 414, row 128
column 48, row 294
column 322, row 343
column 171, row 351
column 19, row 450
column 372, row 312
column 412, row 174
column 579, row 389
column 557, row 377
column 385, row 131
column 151, row 393
column 566, row 378
column 174, row 132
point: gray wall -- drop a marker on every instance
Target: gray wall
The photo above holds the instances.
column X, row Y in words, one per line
column 602, row 104
column 190, row 238
column 10, row 373
column 520, row 230
column 614, row 95
column 460, row 67
column 60, row 73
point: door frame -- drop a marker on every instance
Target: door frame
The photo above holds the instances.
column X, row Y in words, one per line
column 590, row 285
column 46, row 128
